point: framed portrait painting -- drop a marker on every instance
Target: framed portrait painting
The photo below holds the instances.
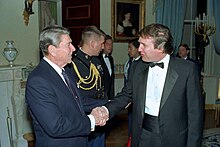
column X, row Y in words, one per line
column 127, row 19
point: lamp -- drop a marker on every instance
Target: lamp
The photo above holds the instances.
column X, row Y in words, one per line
column 205, row 27
column 28, row 10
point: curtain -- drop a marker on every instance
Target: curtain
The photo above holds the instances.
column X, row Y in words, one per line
column 171, row 13
column 214, row 10
column 47, row 13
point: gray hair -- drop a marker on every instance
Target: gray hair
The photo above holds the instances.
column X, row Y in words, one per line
column 51, row 36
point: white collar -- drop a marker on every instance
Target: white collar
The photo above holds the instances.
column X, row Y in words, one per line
column 55, row 67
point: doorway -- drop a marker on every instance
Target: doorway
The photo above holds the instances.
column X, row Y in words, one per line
column 77, row 15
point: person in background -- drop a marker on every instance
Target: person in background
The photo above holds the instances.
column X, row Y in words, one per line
column 86, row 68
column 183, row 53
column 56, row 111
column 165, row 93
column 134, row 56
column 107, row 63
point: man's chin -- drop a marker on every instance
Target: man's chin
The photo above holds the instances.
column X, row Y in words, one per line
column 145, row 60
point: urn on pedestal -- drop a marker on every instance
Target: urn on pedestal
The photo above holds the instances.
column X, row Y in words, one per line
column 10, row 52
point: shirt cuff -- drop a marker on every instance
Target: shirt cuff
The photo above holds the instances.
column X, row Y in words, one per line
column 92, row 121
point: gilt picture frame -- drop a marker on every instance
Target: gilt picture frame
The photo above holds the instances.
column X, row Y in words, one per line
column 128, row 17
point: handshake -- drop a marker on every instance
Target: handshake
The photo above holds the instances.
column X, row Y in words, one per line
column 101, row 115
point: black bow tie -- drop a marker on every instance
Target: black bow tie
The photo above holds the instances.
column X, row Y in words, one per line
column 161, row 64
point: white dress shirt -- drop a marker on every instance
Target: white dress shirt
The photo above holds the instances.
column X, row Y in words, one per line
column 108, row 64
column 155, row 85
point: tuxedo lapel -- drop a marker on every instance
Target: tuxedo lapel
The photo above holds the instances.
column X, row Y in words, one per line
column 143, row 74
column 111, row 61
column 170, row 81
column 104, row 66
column 112, row 65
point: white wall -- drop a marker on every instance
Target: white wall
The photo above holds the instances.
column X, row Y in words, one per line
column 12, row 27
column 26, row 40
column 120, row 53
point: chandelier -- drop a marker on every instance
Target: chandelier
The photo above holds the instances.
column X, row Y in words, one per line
column 205, row 27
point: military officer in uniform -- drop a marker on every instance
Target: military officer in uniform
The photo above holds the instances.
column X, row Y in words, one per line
column 87, row 70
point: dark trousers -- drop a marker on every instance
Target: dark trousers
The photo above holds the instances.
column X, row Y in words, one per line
column 98, row 141
column 129, row 122
column 149, row 139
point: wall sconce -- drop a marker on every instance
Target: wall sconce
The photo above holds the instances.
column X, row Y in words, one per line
column 27, row 10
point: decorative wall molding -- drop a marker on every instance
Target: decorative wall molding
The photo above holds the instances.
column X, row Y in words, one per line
column 13, row 110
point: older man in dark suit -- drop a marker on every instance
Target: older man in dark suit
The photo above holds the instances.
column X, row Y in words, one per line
column 53, row 99
column 165, row 91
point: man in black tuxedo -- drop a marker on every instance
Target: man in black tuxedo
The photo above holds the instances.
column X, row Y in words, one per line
column 107, row 63
column 165, row 92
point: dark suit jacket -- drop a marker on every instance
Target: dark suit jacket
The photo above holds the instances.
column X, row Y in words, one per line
column 109, row 81
column 57, row 119
column 181, row 108
column 199, row 68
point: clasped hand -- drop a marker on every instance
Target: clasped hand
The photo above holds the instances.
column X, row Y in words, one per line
column 101, row 115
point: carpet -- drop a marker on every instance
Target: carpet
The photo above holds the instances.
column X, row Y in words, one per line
column 211, row 137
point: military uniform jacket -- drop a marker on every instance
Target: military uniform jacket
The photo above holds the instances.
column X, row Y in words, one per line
column 93, row 85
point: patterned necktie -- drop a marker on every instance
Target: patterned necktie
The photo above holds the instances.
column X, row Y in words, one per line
column 152, row 64
column 72, row 90
column 66, row 78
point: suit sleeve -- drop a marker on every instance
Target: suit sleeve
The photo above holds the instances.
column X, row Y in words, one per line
column 195, row 104
column 123, row 98
column 90, row 103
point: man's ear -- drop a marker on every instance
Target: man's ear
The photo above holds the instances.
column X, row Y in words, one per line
column 160, row 47
column 51, row 50
column 92, row 43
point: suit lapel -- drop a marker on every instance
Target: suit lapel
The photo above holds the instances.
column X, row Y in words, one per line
column 143, row 74
column 104, row 66
column 59, row 81
column 170, row 81
column 112, row 64
column 74, row 92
